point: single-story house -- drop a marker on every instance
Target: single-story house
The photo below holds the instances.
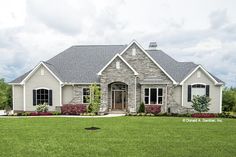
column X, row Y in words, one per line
column 127, row 75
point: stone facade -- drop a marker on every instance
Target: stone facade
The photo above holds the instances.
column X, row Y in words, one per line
column 146, row 69
column 111, row 75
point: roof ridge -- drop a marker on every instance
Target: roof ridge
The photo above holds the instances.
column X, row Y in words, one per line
column 98, row 45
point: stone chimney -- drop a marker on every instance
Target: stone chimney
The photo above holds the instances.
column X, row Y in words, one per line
column 153, row 46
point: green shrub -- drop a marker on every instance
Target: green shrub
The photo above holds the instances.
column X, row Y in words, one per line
column 25, row 113
column 42, row 107
column 201, row 103
column 95, row 98
column 141, row 108
column 234, row 108
column 56, row 113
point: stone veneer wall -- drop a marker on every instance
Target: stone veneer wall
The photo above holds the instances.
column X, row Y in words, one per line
column 111, row 75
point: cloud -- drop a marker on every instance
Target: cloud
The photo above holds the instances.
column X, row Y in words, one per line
column 37, row 30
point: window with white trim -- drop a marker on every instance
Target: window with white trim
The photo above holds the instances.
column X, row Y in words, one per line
column 86, row 95
column 198, row 89
column 153, row 96
column 41, row 96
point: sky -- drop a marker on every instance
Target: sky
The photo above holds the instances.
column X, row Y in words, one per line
column 200, row 31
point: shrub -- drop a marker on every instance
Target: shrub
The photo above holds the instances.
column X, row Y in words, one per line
column 56, row 113
column 154, row 109
column 203, row 115
column 25, row 114
column 234, row 108
column 201, row 103
column 73, row 109
column 141, row 108
column 95, row 98
column 42, row 107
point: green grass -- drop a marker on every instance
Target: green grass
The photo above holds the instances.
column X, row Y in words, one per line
column 118, row 136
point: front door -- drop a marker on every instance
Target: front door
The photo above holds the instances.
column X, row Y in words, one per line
column 118, row 100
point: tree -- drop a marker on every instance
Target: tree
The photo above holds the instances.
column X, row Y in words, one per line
column 201, row 103
column 5, row 95
column 229, row 99
column 141, row 108
column 95, row 98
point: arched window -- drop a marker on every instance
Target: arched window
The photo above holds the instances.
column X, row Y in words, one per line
column 198, row 89
column 41, row 96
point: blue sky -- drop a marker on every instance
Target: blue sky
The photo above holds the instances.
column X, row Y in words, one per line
column 201, row 31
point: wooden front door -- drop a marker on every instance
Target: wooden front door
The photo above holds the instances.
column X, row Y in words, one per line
column 118, row 100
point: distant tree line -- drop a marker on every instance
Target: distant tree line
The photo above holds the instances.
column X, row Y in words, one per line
column 229, row 99
column 5, row 95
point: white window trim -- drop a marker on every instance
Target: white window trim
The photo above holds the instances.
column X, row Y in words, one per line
column 149, row 97
column 86, row 95
column 197, row 84
column 37, row 94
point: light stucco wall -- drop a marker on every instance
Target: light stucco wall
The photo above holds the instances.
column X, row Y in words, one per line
column 177, row 94
column 37, row 81
column 215, row 91
column 17, row 98
column 67, row 94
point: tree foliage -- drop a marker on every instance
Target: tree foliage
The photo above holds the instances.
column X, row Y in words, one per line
column 201, row 103
column 5, row 95
column 229, row 99
column 141, row 108
column 95, row 98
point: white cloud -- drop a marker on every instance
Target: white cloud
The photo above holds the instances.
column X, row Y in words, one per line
column 200, row 31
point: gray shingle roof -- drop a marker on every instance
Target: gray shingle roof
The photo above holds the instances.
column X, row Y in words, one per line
column 80, row 64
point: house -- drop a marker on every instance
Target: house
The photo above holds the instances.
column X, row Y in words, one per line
column 127, row 75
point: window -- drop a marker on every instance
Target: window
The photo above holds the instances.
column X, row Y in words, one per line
column 133, row 51
column 41, row 96
column 153, row 96
column 198, row 89
column 86, row 95
column 117, row 65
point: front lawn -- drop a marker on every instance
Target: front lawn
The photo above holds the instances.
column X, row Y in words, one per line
column 118, row 136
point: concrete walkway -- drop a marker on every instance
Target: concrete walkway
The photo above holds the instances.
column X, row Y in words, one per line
column 67, row 116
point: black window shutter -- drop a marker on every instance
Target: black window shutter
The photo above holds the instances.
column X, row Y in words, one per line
column 189, row 93
column 207, row 90
column 34, row 97
column 50, row 98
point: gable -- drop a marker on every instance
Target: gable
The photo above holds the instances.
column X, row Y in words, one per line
column 41, row 70
column 144, row 64
column 200, row 75
column 114, row 60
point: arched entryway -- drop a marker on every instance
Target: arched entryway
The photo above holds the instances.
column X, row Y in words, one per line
column 118, row 96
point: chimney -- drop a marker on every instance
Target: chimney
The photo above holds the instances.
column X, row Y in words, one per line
column 153, row 46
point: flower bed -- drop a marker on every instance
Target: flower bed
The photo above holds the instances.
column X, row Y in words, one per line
column 204, row 115
column 154, row 109
column 73, row 109
column 41, row 113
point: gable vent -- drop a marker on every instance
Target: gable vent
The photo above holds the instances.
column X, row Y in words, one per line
column 153, row 46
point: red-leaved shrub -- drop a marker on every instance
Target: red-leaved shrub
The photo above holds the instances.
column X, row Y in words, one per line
column 40, row 113
column 154, row 109
column 73, row 109
column 203, row 115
